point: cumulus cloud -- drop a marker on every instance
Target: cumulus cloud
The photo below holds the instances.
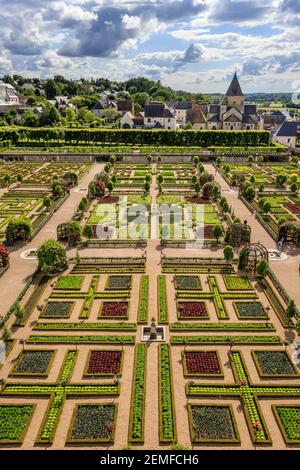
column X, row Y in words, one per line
column 239, row 11
column 66, row 14
column 172, row 61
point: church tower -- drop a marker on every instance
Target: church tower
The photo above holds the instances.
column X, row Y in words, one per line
column 234, row 97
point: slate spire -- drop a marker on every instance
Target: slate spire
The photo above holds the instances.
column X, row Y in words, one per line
column 235, row 87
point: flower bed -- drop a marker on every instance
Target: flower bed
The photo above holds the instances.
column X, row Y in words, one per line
column 104, row 363
column 61, row 339
column 225, row 339
column 118, row 283
column 69, row 283
column 221, row 326
column 237, row 282
column 192, row 310
column 288, row 419
column 93, row 423
column 294, row 208
column 250, row 310
column 213, row 424
column 14, row 421
column 187, row 282
column 57, row 309
column 114, row 310
column 138, row 396
column 274, row 363
column 86, row 326
column 162, row 299
column 167, row 427
column 36, row 363
column 143, row 300
column 201, row 363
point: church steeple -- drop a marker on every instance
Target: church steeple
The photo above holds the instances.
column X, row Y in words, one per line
column 234, row 87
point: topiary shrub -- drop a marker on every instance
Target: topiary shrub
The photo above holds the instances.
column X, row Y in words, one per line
column 52, row 257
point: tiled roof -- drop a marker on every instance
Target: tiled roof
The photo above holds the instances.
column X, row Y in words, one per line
column 250, row 109
column 124, row 105
column 195, row 116
column 182, row 105
column 214, row 118
column 153, row 110
column 157, row 125
column 288, row 129
column 214, row 109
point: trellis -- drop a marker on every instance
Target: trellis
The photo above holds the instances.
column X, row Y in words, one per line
column 254, row 254
column 290, row 232
column 238, row 233
column 62, row 232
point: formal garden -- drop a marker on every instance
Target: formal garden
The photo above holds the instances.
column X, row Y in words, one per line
column 119, row 345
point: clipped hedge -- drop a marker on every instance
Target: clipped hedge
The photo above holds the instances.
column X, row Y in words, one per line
column 204, row 138
column 138, row 396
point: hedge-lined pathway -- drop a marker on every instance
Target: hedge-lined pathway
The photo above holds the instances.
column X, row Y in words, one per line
column 15, row 278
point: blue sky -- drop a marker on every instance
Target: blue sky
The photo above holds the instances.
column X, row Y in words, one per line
column 193, row 45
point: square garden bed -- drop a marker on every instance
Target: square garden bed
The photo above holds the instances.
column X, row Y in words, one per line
column 118, row 283
column 201, row 363
column 69, row 283
column 250, row 310
column 274, row 364
column 288, row 419
column 93, row 423
column 191, row 310
column 14, row 421
column 237, row 282
column 187, row 282
column 213, row 424
column 114, row 310
column 60, row 309
column 33, row 363
column 104, row 363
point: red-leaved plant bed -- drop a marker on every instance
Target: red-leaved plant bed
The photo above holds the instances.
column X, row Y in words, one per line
column 192, row 310
column 109, row 199
column 105, row 362
column 202, row 362
column 114, row 309
column 294, row 208
column 196, row 200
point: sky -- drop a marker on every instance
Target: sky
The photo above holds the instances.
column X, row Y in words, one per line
column 193, row 45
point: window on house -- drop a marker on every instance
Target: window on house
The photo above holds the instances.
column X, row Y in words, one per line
column 149, row 120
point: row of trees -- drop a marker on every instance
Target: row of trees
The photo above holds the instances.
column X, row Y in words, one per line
column 136, row 136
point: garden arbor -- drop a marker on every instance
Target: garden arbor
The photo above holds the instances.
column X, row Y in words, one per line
column 70, row 179
column 250, row 257
column 238, row 233
column 290, row 231
column 62, row 232
column 18, row 229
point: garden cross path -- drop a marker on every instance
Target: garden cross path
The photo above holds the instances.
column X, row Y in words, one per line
column 248, row 393
column 58, row 393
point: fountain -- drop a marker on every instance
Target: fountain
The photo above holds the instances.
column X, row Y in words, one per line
column 153, row 332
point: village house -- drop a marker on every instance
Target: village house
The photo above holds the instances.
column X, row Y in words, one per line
column 287, row 133
column 155, row 116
